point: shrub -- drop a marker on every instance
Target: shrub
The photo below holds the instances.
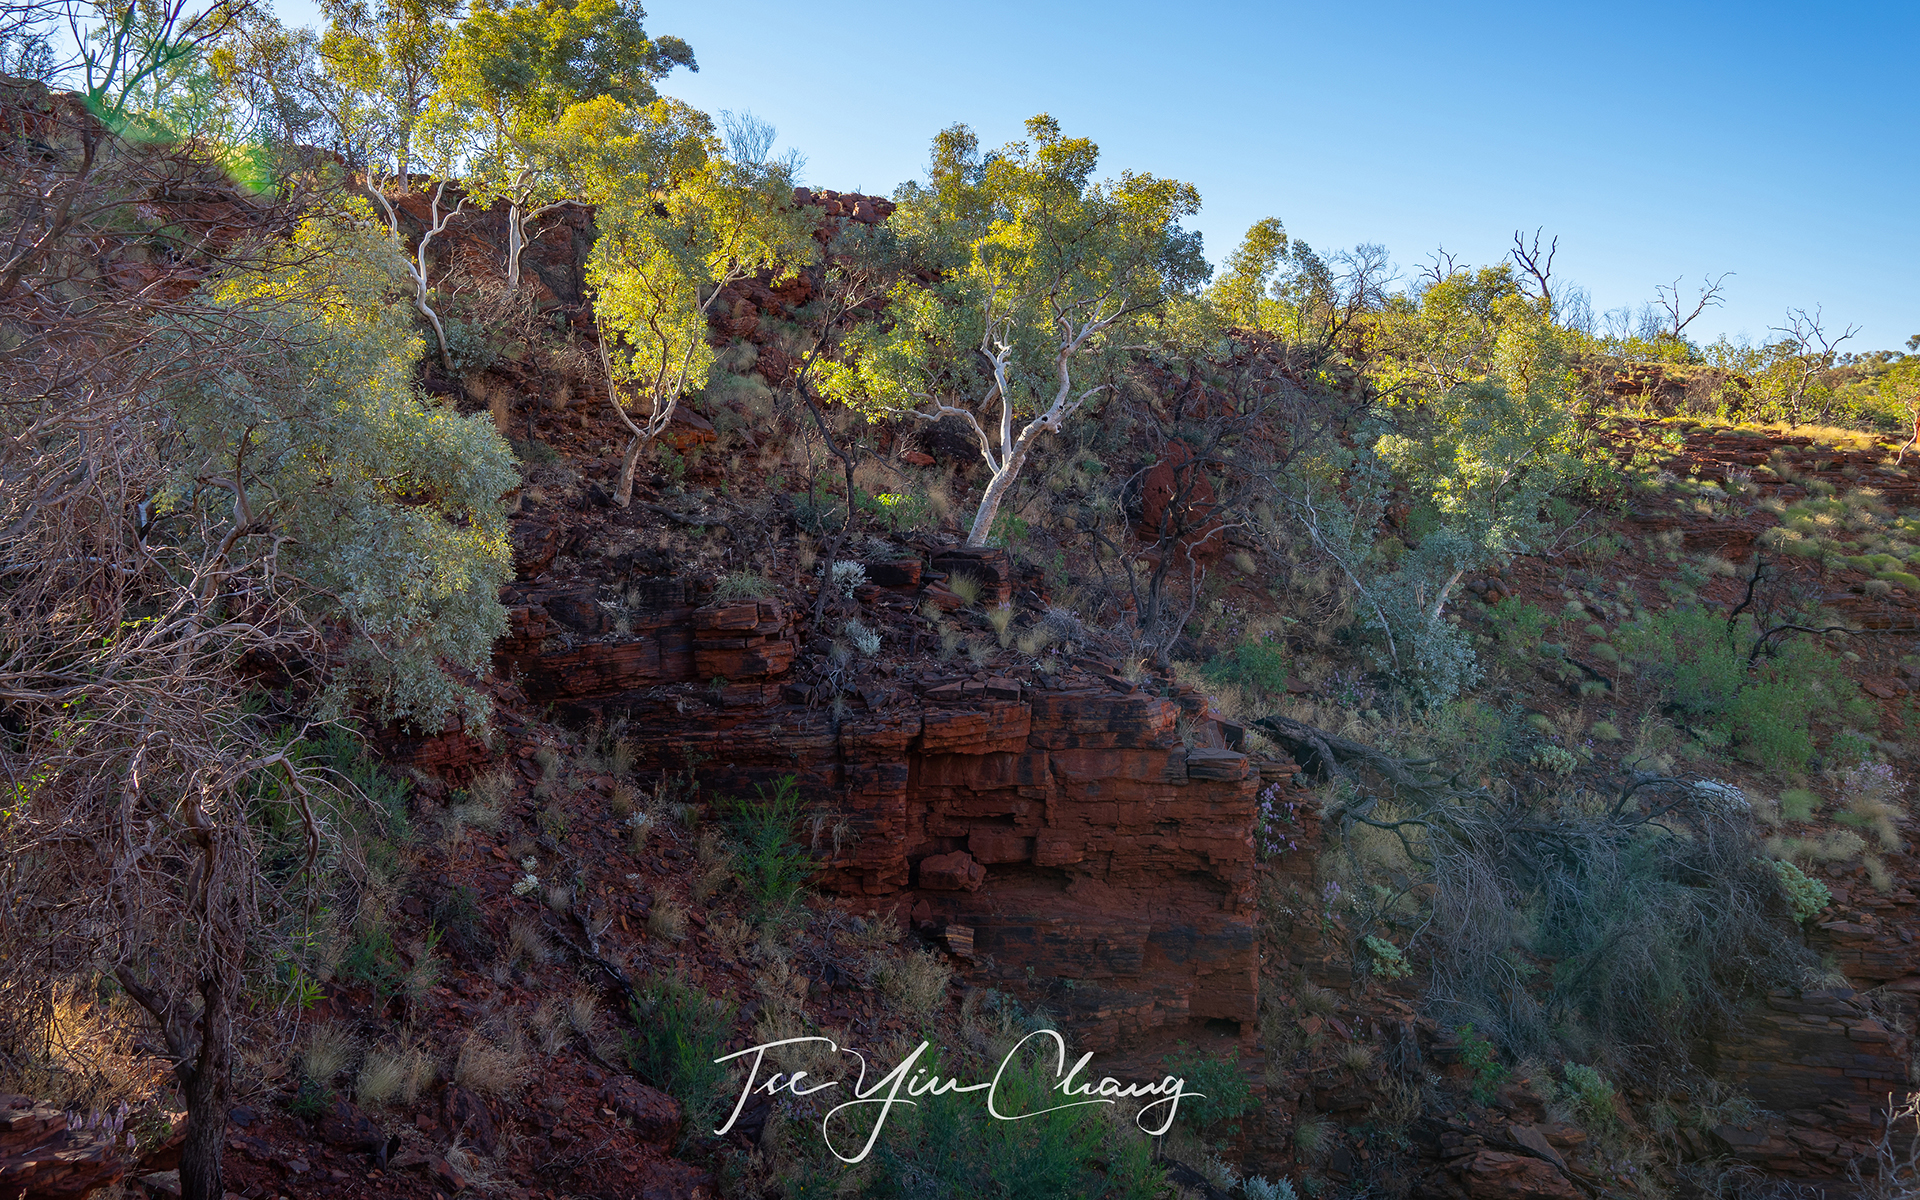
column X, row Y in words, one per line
column 1259, row 1188
column 943, row 1148
column 1807, row 895
column 772, row 863
column 847, row 576
column 1388, row 962
column 910, row 509
column 1519, row 624
column 1428, row 655
column 864, row 640
column 1484, row 1062
column 1260, row 664
column 1223, row 1094
column 1766, row 710
column 1558, row 759
column 374, row 960
column 682, row 1030
column 1590, row 1095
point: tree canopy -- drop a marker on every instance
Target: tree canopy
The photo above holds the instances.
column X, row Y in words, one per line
column 1042, row 273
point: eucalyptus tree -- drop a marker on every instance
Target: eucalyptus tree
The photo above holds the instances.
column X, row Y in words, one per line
column 1041, row 273
column 679, row 220
column 389, row 57
column 511, row 74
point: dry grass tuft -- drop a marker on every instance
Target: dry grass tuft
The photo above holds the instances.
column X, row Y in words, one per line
column 393, row 1075
column 965, row 586
column 583, row 1011
column 550, row 1026
column 525, row 943
column 668, row 920
column 1001, row 618
column 493, row 1065
column 915, row 983
column 330, row 1050
column 1317, row 1001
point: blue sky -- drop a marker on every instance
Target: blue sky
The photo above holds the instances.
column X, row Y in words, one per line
column 1657, row 140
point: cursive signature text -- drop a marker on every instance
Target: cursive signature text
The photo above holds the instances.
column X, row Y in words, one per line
column 909, row 1081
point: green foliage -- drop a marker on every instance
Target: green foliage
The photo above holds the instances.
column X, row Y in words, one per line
column 388, row 507
column 382, row 62
column 373, row 960
column 386, row 795
column 1808, row 896
column 1558, row 759
column 1590, row 1095
column 1483, row 1060
column 512, row 76
column 1798, row 804
column 471, row 348
column 945, row 1148
column 1260, row 664
column 1518, row 624
column 1041, row 275
column 1388, row 962
column 742, row 585
column 682, row 1030
column 1767, row 711
column 1227, row 1094
column 1008, row 530
column 312, row 1100
column 667, row 247
column 901, row 510
column 772, row 864
column 1429, row 655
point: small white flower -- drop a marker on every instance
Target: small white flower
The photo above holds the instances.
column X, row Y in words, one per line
column 529, row 863
column 528, row 885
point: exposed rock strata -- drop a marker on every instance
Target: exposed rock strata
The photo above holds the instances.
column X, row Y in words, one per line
column 1062, row 823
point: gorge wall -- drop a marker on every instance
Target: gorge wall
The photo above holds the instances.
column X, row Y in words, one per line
column 1071, row 831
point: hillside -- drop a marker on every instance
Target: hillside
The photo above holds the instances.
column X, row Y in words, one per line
column 1533, row 829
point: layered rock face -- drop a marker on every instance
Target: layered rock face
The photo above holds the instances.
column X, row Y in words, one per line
column 1821, row 1066
column 1051, row 828
column 41, row 1156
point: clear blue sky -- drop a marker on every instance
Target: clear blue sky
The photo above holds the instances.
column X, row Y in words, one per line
column 1774, row 141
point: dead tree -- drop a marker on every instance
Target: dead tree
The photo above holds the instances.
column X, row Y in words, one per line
column 1529, row 258
column 1669, row 296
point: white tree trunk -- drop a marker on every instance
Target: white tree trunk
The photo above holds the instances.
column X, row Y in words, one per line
column 516, row 242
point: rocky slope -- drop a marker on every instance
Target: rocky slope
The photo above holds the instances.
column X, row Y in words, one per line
column 1062, row 826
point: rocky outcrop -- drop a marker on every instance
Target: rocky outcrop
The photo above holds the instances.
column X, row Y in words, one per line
column 43, row 1158
column 1820, row 1065
column 1060, row 826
